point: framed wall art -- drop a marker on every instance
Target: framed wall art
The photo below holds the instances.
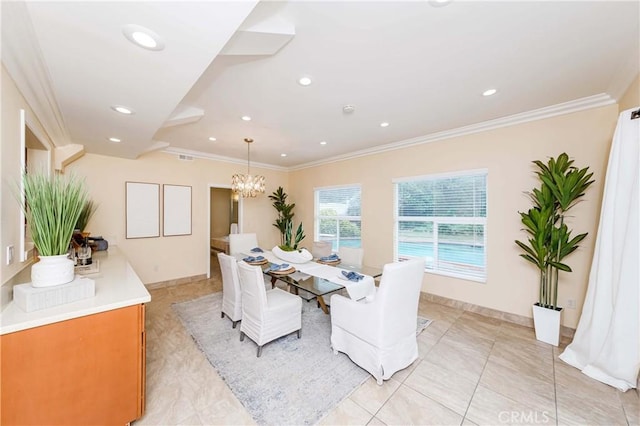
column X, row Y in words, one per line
column 176, row 211
column 142, row 210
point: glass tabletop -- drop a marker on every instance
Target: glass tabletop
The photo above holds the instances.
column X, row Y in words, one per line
column 314, row 285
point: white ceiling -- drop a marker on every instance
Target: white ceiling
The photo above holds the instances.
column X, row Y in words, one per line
column 419, row 67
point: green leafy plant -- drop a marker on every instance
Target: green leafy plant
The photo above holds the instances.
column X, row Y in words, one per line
column 87, row 211
column 549, row 238
column 52, row 205
column 291, row 242
column 285, row 211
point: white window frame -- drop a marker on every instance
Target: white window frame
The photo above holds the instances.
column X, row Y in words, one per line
column 437, row 220
column 338, row 218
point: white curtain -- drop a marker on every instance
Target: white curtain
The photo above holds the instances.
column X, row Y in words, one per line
column 606, row 345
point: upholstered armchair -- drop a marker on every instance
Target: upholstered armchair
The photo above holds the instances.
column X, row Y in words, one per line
column 266, row 315
column 231, row 293
column 321, row 249
column 351, row 255
column 242, row 243
column 380, row 335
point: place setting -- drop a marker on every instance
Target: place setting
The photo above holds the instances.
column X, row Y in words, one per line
column 351, row 276
column 280, row 269
column 332, row 260
column 256, row 260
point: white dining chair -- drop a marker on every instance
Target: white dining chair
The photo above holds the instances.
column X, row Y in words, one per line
column 266, row 315
column 380, row 335
column 231, row 292
column 242, row 243
column 351, row 255
column 321, row 249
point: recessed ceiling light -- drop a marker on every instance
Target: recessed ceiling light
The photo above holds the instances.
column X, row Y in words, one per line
column 304, row 81
column 246, row 118
column 143, row 37
column 384, row 124
column 439, row 3
column 283, row 155
column 489, row 92
column 348, row 109
column 212, row 139
column 122, row 109
column 114, row 140
column 323, row 142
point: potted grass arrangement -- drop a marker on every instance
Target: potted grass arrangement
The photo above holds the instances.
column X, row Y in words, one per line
column 87, row 211
column 549, row 241
column 52, row 206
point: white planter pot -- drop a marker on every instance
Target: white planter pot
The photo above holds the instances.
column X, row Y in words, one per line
column 52, row 270
column 547, row 324
column 295, row 256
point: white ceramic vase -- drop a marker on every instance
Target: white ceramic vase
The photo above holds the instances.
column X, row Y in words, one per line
column 547, row 324
column 52, row 270
column 295, row 256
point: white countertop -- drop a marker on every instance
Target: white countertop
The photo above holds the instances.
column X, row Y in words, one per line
column 117, row 286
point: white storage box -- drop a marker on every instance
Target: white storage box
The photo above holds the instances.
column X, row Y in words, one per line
column 29, row 298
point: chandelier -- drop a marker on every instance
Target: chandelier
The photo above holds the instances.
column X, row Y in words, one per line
column 247, row 185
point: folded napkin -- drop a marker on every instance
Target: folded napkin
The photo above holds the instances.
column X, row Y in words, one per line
column 331, row 258
column 352, row 276
column 257, row 250
column 251, row 259
column 275, row 267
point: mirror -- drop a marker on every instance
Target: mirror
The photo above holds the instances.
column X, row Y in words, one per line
column 35, row 155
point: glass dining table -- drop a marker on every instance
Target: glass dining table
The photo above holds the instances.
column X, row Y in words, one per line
column 315, row 287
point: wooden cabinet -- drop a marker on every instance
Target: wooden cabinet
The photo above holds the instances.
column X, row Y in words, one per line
column 88, row 370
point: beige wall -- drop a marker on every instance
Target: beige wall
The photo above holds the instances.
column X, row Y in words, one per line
column 507, row 154
column 220, row 212
column 166, row 258
column 631, row 98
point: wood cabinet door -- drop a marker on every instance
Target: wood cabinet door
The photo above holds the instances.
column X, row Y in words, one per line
column 88, row 370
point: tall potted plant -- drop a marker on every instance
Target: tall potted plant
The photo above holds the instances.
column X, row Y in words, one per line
column 52, row 205
column 549, row 238
column 285, row 211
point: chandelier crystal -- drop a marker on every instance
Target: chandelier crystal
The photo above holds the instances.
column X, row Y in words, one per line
column 247, row 185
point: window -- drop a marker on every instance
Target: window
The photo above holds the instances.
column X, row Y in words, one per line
column 337, row 216
column 442, row 218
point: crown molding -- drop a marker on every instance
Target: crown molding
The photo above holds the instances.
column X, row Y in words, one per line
column 581, row 104
column 207, row 156
column 576, row 105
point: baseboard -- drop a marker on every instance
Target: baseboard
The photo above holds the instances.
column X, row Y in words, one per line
column 488, row 312
column 177, row 281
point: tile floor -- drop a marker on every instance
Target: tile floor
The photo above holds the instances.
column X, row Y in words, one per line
column 472, row 370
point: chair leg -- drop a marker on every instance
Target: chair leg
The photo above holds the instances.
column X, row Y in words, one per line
column 241, row 336
column 299, row 332
column 259, row 351
column 235, row 323
column 221, row 314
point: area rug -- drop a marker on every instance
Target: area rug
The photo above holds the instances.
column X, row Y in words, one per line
column 295, row 381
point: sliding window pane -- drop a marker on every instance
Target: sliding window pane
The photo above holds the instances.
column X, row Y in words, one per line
column 461, row 249
column 415, row 239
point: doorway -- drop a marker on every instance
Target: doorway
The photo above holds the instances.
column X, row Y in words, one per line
column 224, row 211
